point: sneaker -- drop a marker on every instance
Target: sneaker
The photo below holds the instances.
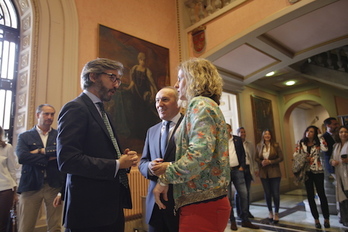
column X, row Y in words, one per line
column 248, row 224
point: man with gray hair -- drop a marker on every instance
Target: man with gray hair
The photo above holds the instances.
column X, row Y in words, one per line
column 97, row 187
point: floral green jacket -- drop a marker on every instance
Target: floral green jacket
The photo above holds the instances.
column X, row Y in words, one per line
column 201, row 170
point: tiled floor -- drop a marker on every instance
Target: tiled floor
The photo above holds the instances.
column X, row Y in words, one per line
column 293, row 216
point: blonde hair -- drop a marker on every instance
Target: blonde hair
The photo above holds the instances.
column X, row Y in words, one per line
column 202, row 79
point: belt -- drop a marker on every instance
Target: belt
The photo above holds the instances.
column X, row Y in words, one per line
column 235, row 168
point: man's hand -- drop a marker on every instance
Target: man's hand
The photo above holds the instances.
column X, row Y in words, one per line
column 160, row 168
column 130, row 158
column 157, row 191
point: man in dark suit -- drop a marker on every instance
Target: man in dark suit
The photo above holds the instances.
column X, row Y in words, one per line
column 97, row 187
column 153, row 156
column 331, row 125
column 238, row 167
column 40, row 179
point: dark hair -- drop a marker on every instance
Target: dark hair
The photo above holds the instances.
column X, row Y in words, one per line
column 240, row 128
column 328, row 121
column 2, row 143
column 337, row 136
column 98, row 66
column 316, row 132
column 39, row 108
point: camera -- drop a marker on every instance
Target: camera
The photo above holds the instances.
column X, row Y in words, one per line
column 344, row 156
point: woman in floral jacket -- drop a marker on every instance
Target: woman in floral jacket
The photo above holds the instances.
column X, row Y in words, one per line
column 200, row 173
column 312, row 144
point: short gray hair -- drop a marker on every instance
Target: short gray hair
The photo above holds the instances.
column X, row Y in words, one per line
column 98, row 66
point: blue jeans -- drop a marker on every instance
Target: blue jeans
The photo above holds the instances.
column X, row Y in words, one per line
column 271, row 187
column 248, row 178
column 238, row 180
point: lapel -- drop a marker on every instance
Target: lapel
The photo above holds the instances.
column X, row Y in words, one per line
column 171, row 143
column 95, row 113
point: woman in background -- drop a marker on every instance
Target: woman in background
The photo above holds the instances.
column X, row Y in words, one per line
column 313, row 145
column 8, row 168
column 268, row 156
column 201, row 173
column 340, row 162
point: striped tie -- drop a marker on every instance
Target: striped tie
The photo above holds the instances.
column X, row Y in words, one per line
column 122, row 172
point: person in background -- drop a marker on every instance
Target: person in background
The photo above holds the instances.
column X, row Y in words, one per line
column 313, row 145
column 97, row 187
column 251, row 170
column 238, row 167
column 200, row 175
column 40, row 181
column 331, row 125
column 268, row 157
column 154, row 153
column 340, row 162
column 8, row 185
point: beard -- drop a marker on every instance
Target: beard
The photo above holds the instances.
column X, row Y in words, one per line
column 103, row 92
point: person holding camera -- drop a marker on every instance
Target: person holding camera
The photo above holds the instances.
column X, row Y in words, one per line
column 340, row 161
column 313, row 144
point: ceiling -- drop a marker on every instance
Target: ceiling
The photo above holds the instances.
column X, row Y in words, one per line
column 289, row 45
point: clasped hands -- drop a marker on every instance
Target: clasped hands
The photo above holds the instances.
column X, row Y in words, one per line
column 128, row 159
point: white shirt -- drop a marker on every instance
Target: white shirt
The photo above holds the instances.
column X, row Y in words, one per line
column 232, row 153
column 8, row 168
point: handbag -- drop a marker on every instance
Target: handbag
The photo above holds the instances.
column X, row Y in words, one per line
column 299, row 160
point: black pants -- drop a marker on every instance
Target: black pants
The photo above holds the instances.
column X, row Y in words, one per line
column 317, row 180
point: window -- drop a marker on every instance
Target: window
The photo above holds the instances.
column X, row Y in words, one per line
column 229, row 108
column 9, row 40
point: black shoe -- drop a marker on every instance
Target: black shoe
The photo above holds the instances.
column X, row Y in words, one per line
column 345, row 224
column 250, row 215
column 318, row 225
column 234, row 226
column 248, row 224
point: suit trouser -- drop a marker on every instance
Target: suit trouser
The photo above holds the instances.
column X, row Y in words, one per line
column 29, row 206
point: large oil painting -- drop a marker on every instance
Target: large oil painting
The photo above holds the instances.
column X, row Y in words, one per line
column 146, row 70
column 262, row 116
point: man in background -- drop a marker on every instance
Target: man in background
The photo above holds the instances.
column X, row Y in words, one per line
column 155, row 153
column 331, row 125
column 238, row 165
column 40, row 179
column 251, row 168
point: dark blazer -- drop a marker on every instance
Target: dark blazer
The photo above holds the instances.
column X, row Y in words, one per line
column 94, row 197
column 238, row 146
column 330, row 142
column 34, row 166
column 152, row 151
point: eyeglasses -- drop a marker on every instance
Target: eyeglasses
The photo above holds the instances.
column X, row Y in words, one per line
column 113, row 77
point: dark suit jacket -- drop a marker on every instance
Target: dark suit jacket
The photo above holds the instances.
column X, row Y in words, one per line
column 152, row 151
column 34, row 166
column 94, row 197
column 238, row 145
column 330, row 142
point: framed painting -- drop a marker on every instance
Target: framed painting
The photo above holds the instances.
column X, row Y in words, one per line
column 262, row 116
column 146, row 70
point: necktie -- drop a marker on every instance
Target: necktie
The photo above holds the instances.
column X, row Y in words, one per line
column 122, row 172
column 164, row 137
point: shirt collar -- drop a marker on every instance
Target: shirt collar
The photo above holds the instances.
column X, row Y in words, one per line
column 41, row 132
column 94, row 98
column 175, row 119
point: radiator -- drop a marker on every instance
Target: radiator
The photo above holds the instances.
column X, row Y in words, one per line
column 138, row 187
